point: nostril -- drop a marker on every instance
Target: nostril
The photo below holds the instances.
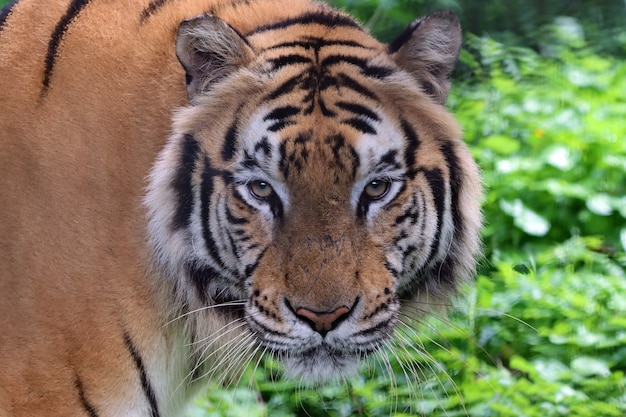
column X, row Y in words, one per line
column 323, row 322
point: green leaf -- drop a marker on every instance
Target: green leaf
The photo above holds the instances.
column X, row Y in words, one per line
column 588, row 366
column 525, row 218
column 600, row 204
column 501, row 144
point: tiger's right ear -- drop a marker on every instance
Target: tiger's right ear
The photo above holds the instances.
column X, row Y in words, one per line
column 209, row 49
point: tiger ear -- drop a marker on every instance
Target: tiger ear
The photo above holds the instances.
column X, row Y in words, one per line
column 209, row 49
column 428, row 50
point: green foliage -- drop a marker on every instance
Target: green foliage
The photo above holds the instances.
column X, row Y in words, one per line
column 532, row 23
column 547, row 134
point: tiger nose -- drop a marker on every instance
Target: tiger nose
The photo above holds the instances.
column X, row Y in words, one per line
column 323, row 322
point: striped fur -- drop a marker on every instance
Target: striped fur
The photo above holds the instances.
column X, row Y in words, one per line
column 186, row 184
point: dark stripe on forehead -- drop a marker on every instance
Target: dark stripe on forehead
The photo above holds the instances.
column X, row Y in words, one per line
column 292, row 59
column 346, row 159
column 317, row 43
column 366, row 69
column 281, row 116
column 324, row 18
column 6, row 11
column 287, row 86
column 55, row 40
column 182, row 182
column 357, row 109
column 346, row 81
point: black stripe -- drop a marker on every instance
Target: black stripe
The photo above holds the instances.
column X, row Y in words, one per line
column 367, row 70
column 331, row 60
column 377, row 72
column 280, row 115
column 389, row 161
column 6, row 11
column 361, row 125
column 325, row 110
column 141, row 369
column 349, row 82
column 264, row 146
column 250, row 268
column 230, row 139
column 286, row 86
column 89, row 408
column 232, row 219
column 412, row 214
column 55, row 40
column 455, row 172
column 324, row 18
column 200, row 277
column 438, row 188
column 152, row 8
column 410, row 152
column 206, row 192
column 292, row 59
column 317, row 43
column 182, row 182
column 357, row 109
column 382, row 326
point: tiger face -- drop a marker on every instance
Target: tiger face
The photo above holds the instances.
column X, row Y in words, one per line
column 315, row 183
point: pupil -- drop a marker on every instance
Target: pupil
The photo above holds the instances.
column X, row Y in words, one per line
column 376, row 188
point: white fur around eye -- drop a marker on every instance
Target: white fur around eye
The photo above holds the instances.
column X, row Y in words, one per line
column 371, row 150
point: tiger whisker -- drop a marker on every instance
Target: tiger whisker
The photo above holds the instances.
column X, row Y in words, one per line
column 409, row 334
column 234, row 303
column 230, row 346
column 218, row 333
column 203, row 357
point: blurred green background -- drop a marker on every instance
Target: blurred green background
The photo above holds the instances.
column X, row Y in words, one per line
column 540, row 90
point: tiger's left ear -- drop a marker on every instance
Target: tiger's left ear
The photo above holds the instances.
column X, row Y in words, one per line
column 209, row 49
column 428, row 50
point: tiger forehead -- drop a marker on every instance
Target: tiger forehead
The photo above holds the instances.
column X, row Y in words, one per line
column 316, row 36
column 327, row 158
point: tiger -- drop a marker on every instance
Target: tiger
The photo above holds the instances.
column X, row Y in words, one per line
column 190, row 186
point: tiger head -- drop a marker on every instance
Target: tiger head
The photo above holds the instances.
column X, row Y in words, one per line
column 316, row 182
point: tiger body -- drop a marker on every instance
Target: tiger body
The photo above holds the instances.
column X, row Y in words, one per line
column 311, row 179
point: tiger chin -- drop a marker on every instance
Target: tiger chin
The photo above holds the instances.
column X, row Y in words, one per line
column 188, row 186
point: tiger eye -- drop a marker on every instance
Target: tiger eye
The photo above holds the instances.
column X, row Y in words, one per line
column 377, row 189
column 261, row 189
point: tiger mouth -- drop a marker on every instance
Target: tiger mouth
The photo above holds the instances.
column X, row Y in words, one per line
column 322, row 363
